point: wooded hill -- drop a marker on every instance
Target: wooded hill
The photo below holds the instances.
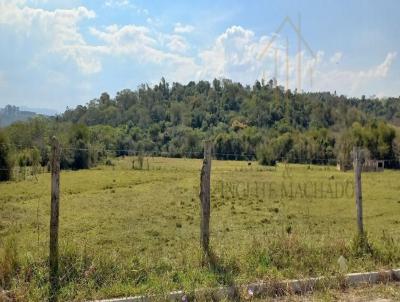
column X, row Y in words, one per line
column 245, row 122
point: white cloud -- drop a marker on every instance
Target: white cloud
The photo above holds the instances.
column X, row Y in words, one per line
column 131, row 40
column 382, row 69
column 336, row 58
column 117, row 3
column 235, row 54
column 139, row 43
column 354, row 82
column 57, row 30
column 124, row 4
column 177, row 43
column 180, row 28
column 37, row 2
column 86, row 57
column 154, row 22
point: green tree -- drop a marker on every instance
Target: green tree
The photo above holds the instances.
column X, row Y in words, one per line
column 266, row 155
column 6, row 164
column 79, row 141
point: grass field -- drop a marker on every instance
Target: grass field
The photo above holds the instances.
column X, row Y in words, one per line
column 125, row 232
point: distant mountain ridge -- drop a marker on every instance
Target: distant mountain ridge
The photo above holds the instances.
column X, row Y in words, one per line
column 11, row 114
column 43, row 111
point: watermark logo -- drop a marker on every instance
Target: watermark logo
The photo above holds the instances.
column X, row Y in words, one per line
column 285, row 189
column 301, row 42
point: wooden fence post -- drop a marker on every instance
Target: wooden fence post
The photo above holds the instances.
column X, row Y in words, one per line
column 55, row 206
column 205, row 183
column 358, row 189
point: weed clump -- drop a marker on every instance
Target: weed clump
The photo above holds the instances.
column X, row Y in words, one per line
column 8, row 263
column 361, row 246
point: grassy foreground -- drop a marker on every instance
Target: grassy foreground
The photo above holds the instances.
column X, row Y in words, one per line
column 127, row 232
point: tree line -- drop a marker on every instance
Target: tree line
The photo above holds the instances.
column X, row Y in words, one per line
column 245, row 122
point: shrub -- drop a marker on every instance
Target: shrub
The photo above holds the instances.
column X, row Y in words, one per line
column 361, row 245
column 5, row 159
column 140, row 161
column 8, row 263
column 266, row 156
column 81, row 156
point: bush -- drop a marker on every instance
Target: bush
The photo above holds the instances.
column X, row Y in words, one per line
column 8, row 263
column 361, row 245
column 266, row 156
column 140, row 161
column 5, row 159
column 81, row 156
column 109, row 162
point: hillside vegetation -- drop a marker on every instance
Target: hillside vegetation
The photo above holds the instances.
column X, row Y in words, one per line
column 260, row 122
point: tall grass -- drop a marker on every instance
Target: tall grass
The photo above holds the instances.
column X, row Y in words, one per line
column 86, row 274
column 126, row 231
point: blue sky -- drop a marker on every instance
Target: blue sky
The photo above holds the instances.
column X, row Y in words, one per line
column 55, row 54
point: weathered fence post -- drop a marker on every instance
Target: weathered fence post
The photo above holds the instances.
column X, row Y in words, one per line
column 358, row 190
column 55, row 206
column 205, row 183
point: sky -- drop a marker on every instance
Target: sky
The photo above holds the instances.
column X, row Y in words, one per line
column 57, row 53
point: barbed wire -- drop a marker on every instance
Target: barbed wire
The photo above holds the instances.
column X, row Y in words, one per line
column 198, row 154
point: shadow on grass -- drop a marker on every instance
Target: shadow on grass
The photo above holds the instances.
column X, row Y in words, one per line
column 223, row 270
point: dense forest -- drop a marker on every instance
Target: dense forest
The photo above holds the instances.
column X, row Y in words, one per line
column 260, row 122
